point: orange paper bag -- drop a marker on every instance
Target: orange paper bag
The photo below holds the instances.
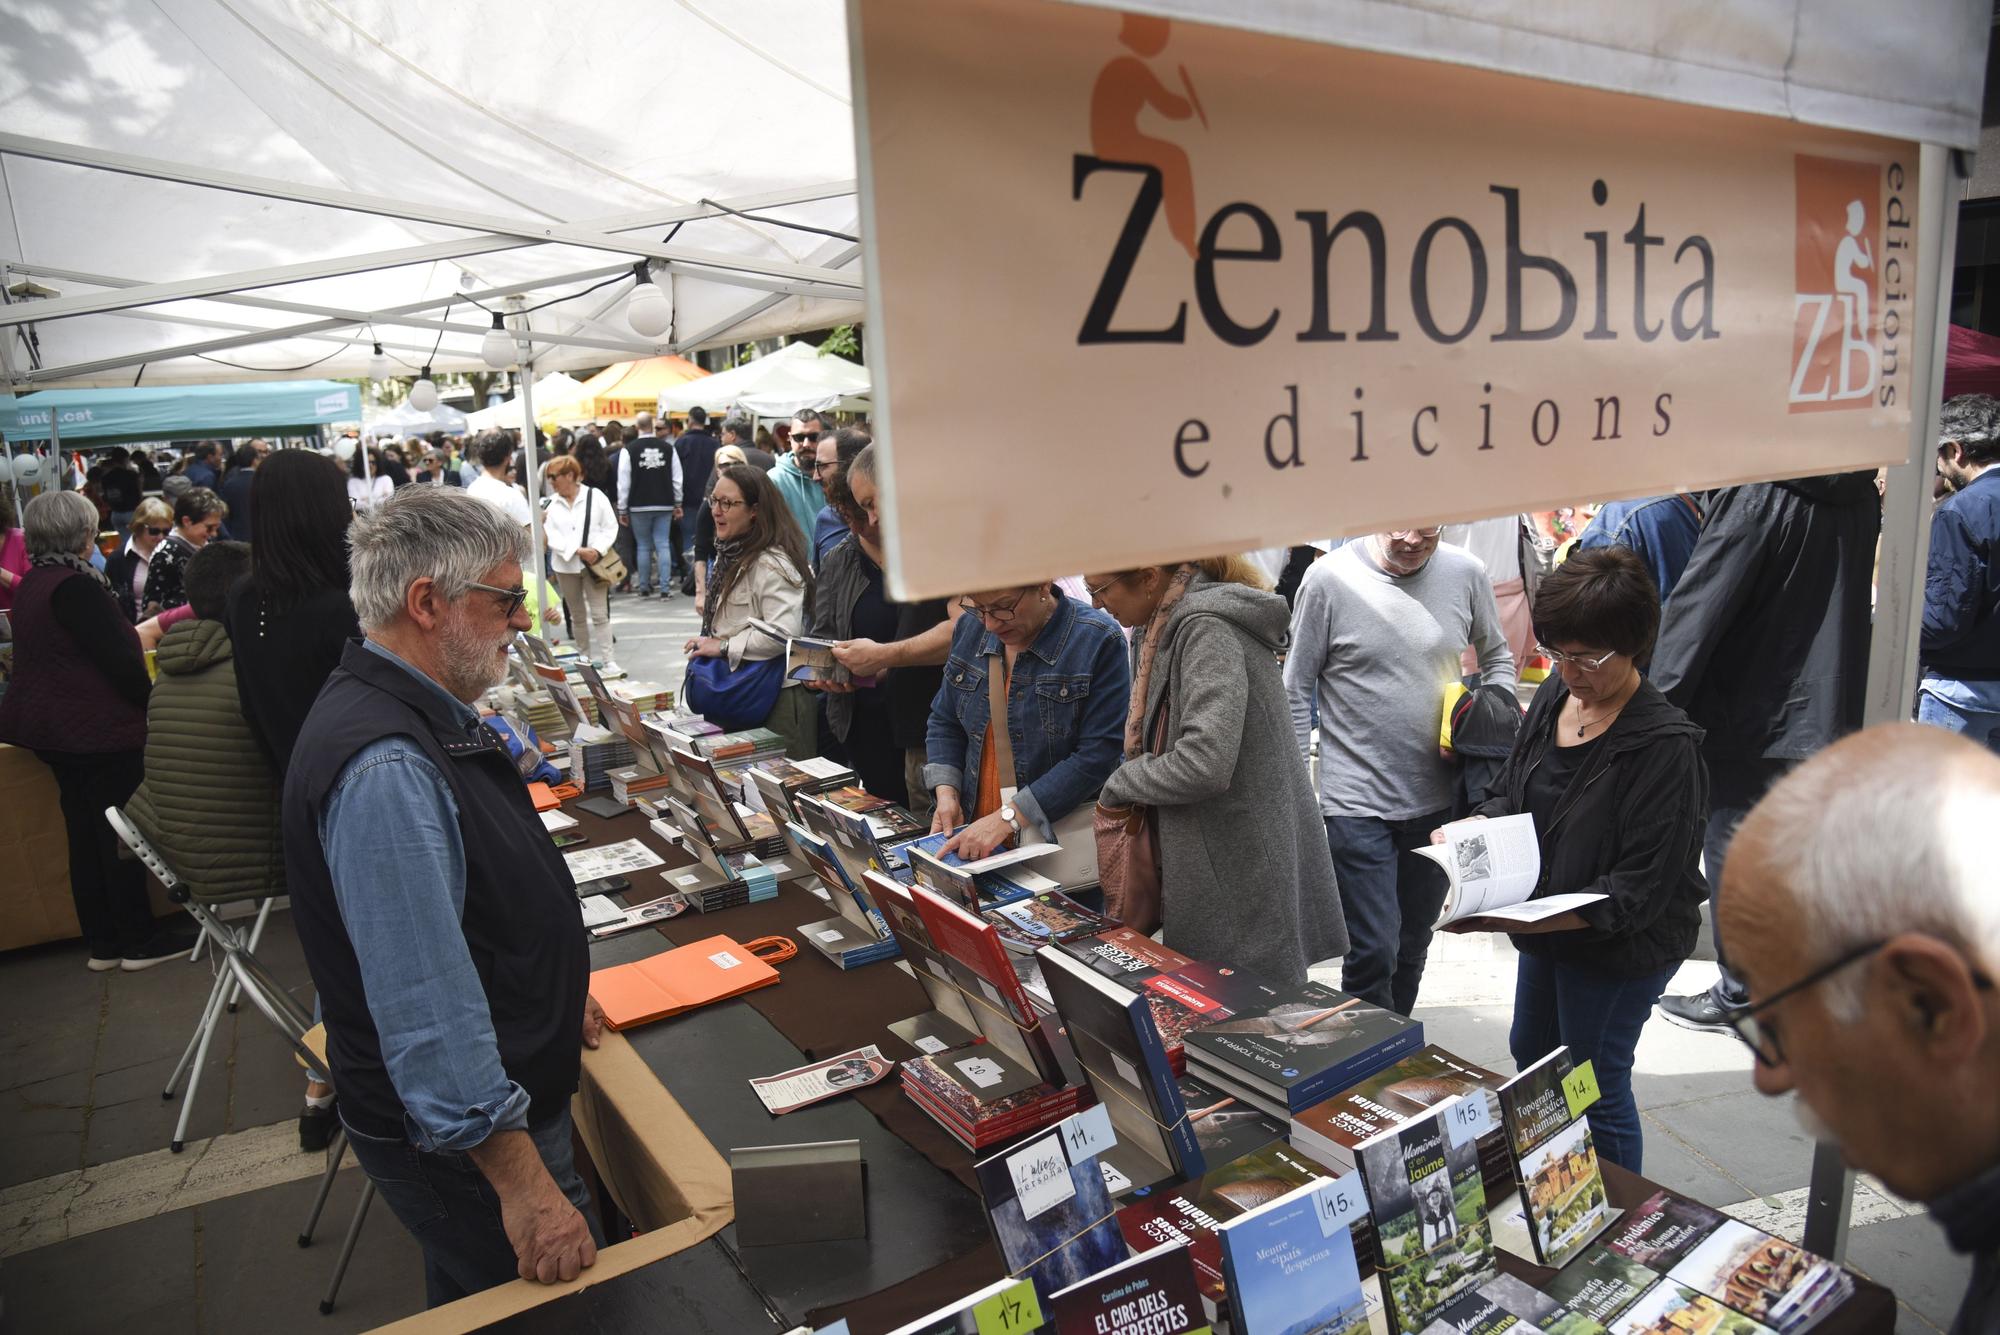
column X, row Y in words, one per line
column 678, row 980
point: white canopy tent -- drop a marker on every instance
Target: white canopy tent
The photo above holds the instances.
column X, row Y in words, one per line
column 778, row 384
column 218, row 191
column 405, row 420
column 551, row 390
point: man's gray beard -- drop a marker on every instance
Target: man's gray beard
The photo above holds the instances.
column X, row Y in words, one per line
column 471, row 668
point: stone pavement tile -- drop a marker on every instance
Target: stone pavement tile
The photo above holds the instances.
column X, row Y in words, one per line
column 266, row 1083
column 145, row 1121
column 1674, row 1163
column 1910, row 1256
column 140, row 1277
column 38, row 1139
column 1476, row 1033
column 151, row 1014
column 1753, row 1139
column 256, row 1279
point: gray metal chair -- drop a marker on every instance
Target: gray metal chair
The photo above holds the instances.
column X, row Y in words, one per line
column 239, row 970
column 227, row 938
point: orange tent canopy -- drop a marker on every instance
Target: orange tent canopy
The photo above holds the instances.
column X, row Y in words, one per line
column 624, row 390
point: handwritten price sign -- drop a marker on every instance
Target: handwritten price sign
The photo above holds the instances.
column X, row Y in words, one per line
column 1580, row 1089
column 1013, row 1311
column 1337, row 1202
column 1468, row 1117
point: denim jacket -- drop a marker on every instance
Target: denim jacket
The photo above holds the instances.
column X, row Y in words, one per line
column 1066, row 710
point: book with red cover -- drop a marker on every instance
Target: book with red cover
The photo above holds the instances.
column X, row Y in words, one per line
column 986, row 974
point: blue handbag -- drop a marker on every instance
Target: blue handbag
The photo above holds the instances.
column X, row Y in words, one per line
column 734, row 700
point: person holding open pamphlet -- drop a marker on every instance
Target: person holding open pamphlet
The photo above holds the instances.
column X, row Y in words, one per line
column 1610, row 775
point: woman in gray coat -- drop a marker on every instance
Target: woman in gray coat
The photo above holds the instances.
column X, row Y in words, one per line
column 1245, row 875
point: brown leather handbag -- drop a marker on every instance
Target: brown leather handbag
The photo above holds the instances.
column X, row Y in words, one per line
column 1128, row 853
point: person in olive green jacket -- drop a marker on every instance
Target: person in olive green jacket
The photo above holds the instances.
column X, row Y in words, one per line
column 209, row 799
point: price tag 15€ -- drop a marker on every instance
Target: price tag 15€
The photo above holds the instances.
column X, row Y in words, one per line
column 1580, row 1089
column 1338, row 1201
column 1468, row 1117
column 1012, row 1311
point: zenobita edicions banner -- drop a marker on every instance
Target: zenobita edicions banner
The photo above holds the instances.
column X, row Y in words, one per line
column 1143, row 291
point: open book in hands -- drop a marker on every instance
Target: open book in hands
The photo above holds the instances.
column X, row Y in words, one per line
column 1494, row 866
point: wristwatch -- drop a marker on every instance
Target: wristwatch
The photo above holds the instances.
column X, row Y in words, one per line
column 1007, row 814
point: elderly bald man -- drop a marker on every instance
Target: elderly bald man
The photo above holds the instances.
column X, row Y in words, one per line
column 1861, row 903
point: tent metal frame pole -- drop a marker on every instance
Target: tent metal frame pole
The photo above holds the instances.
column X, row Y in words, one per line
column 1901, row 567
column 533, row 482
column 353, row 201
column 752, row 312
column 342, row 322
column 339, row 266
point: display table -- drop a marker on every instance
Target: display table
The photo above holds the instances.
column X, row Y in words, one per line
column 927, row 1239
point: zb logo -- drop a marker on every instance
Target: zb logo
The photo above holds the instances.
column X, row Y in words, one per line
column 1838, row 321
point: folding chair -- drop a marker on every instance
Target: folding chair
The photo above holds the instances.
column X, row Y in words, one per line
column 227, row 939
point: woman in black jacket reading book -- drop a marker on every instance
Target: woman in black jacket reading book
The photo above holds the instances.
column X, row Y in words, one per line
column 1613, row 776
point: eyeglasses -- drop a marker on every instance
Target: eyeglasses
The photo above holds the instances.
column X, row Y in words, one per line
column 718, row 503
column 1414, row 534
column 1761, row 1036
column 515, row 597
column 1097, row 592
column 1001, row 613
column 807, row 436
column 1558, row 658
column 157, row 532
column 819, row 466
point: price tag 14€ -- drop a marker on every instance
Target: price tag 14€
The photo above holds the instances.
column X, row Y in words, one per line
column 1012, row 1311
column 1088, row 1133
column 1468, row 1117
column 1338, row 1201
column 1580, row 1089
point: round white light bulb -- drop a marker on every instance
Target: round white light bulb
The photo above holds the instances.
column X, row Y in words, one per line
column 497, row 348
column 424, row 395
column 378, row 364
column 648, row 311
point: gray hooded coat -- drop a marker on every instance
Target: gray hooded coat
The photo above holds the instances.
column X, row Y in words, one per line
column 1246, row 878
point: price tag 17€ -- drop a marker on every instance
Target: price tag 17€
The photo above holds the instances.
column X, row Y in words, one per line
column 1338, row 1201
column 1580, row 1089
column 1013, row 1311
column 1468, row 1117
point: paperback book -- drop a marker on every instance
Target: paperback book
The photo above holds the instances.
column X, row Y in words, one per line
column 1190, row 1214
column 1290, row 1273
column 1493, row 867
column 1048, row 1208
column 1112, row 1034
column 1750, row 1272
column 985, row 973
column 1033, row 921
column 1308, row 1044
column 1554, row 1162
column 1432, row 1239
column 950, row 1011
column 1506, row 1306
column 1152, row 1294
column 1330, row 1129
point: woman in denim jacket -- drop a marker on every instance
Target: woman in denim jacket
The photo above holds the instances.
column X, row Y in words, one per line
column 1067, row 681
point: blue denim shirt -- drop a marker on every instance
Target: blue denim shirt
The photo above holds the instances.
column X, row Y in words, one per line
column 1066, row 710
column 391, row 838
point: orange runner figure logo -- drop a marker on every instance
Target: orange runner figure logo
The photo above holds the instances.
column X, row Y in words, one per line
column 1127, row 86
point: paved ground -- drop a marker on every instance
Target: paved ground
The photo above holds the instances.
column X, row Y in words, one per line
column 101, row 1229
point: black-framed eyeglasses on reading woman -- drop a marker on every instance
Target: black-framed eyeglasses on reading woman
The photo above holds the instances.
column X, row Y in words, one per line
column 1760, row 1035
column 723, row 504
column 997, row 612
column 516, row 597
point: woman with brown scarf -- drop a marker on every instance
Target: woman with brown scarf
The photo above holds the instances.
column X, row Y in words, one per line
column 1245, row 875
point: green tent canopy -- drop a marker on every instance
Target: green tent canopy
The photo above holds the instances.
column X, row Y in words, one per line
column 180, row 412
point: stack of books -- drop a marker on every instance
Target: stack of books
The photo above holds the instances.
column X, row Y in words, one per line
column 632, row 781
column 770, row 784
column 1411, row 1087
column 592, row 759
column 1141, row 963
column 981, row 1099
column 647, row 697
column 848, row 945
column 1300, row 1048
column 741, row 749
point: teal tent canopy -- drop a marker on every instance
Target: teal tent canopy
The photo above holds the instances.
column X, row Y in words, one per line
column 180, row 412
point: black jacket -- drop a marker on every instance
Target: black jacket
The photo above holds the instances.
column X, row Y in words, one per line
column 1630, row 826
column 1765, row 641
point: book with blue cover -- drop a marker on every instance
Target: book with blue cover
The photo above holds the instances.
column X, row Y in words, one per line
column 1287, row 1274
column 1050, row 1214
column 1306, row 1045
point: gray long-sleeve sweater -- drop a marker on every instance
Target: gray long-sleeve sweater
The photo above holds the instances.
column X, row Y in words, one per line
column 1379, row 650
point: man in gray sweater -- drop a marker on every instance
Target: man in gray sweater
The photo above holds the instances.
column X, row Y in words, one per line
column 1377, row 633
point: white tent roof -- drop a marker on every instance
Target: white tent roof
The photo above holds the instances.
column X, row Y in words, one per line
column 403, row 420
column 492, row 150
column 551, row 390
column 778, row 384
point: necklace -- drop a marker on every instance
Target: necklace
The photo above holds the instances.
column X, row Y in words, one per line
column 1583, row 726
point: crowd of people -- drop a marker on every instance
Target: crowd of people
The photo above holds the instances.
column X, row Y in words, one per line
column 1279, row 713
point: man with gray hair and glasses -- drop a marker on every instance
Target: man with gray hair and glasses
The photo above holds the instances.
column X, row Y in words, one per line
column 1862, row 909
column 438, row 920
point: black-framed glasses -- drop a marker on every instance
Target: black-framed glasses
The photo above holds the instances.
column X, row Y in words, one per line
column 1761, row 1035
column 157, row 532
column 1557, row 657
column 818, row 466
column 723, row 504
column 1001, row 613
column 809, row 436
column 516, row 597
